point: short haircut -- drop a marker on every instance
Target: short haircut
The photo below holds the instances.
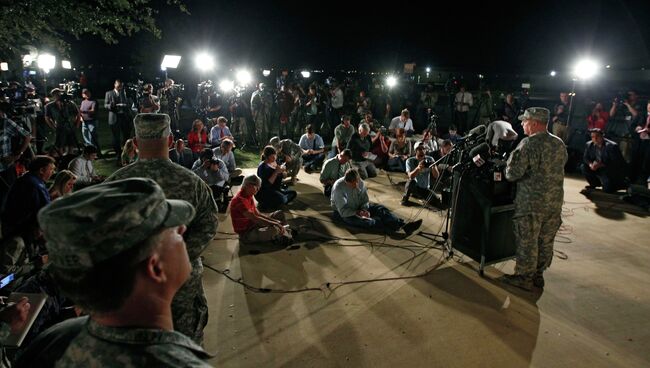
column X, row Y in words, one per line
column 89, row 149
column 446, row 143
column 252, row 179
column 347, row 153
column 40, row 162
column 364, row 126
column 596, row 130
column 351, row 175
column 268, row 151
column 346, row 118
column 222, row 119
column 206, row 154
column 406, row 113
column 419, row 148
column 107, row 285
column 227, row 143
column 309, row 129
column 452, row 127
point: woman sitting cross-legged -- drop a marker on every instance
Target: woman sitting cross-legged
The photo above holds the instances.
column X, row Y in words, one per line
column 271, row 194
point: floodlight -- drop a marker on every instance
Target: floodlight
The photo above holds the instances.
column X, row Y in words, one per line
column 244, row 77
column 585, row 69
column 608, row 66
column 553, row 73
column 65, row 64
column 428, row 70
column 226, row 85
column 204, row 61
column 4, row 67
column 305, row 74
column 391, row 81
column 266, row 72
column 170, row 61
column 28, row 60
column 46, row 62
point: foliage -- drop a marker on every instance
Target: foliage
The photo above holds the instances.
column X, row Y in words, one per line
column 48, row 23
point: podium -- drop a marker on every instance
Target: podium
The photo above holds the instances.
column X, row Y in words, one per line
column 482, row 210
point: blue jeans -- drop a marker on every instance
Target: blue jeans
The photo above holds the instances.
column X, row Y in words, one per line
column 380, row 219
column 313, row 161
column 89, row 133
column 271, row 200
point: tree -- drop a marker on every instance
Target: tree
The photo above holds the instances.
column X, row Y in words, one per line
column 49, row 23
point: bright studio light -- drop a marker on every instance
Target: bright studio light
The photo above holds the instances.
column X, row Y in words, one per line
column 244, row 77
column 4, row 67
column 65, row 64
column 553, row 73
column 305, row 74
column 585, row 69
column 46, row 62
column 170, row 61
column 226, row 85
column 391, row 81
column 266, row 72
column 428, row 70
column 204, row 61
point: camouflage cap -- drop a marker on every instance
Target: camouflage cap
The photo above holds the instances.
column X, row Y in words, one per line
column 536, row 113
column 275, row 141
column 101, row 221
column 151, row 126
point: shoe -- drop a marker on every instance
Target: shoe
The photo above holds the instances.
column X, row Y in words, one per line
column 410, row 227
column 308, row 169
column 404, row 201
column 538, row 280
column 588, row 189
column 519, row 281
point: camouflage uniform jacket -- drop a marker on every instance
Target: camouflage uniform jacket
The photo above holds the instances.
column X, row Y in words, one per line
column 537, row 165
column 290, row 148
column 189, row 306
column 101, row 346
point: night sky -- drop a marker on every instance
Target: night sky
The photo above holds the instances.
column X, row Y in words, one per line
column 495, row 36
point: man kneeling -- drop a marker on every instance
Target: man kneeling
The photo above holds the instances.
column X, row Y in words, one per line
column 352, row 206
column 252, row 225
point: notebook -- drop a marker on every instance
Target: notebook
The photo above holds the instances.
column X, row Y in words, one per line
column 36, row 301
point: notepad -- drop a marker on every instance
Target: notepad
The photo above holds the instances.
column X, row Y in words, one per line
column 36, row 301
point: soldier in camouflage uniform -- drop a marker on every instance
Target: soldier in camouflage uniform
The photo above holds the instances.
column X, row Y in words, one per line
column 117, row 250
column 261, row 103
column 289, row 152
column 190, row 307
column 537, row 166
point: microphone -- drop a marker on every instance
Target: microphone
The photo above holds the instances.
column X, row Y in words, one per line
column 480, row 153
column 475, row 132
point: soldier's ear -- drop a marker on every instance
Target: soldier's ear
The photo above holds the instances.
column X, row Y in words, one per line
column 170, row 141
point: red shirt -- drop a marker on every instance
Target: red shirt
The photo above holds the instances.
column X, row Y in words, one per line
column 598, row 122
column 238, row 206
column 195, row 142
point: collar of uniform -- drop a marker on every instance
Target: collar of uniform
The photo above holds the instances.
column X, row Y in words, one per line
column 154, row 159
column 144, row 336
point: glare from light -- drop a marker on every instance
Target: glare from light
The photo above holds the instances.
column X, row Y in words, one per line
column 46, row 62
column 204, row 61
column 585, row 69
column 163, row 68
column 553, row 73
column 28, row 60
column 266, row 72
column 608, row 66
column 65, row 64
column 428, row 70
column 4, row 67
column 305, row 74
column 391, row 81
column 170, row 61
column 244, row 77
column 226, row 85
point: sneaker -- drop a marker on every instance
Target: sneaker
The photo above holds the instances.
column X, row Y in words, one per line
column 538, row 280
column 518, row 281
column 410, row 227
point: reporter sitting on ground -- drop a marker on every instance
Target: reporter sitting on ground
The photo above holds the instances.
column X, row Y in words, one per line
column 333, row 169
column 252, row 225
column 399, row 151
column 271, row 195
column 129, row 152
column 380, row 146
column 603, row 164
column 360, row 145
column 312, row 147
column 290, row 154
column 352, row 206
column 214, row 173
column 63, row 184
column 83, row 167
column 403, row 121
column 225, row 154
column 124, row 275
column 428, row 142
column 197, row 138
column 342, row 134
column 181, row 155
column 220, row 131
column 421, row 175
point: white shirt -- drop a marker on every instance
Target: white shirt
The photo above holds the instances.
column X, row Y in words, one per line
column 83, row 168
column 337, row 99
column 463, row 101
column 398, row 123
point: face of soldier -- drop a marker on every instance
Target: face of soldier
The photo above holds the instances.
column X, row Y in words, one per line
column 173, row 258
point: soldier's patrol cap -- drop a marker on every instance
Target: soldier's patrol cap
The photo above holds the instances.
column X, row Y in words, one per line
column 151, row 126
column 536, row 113
column 97, row 223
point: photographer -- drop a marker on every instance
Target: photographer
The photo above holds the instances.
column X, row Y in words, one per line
column 214, row 172
column 420, row 170
column 624, row 117
column 261, row 103
column 560, row 118
column 149, row 102
column 168, row 97
column 63, row 116
column 14, row 142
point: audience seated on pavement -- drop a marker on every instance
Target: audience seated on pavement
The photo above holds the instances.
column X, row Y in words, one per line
column 271, row 194
column 129, row 152
column 289, row 154
column 225, row 154
column 362, row 159
column 313, row 149
column 220, row 131
column 333, row 169
column 351, row 205
column 181, row 155
column 84, row 169
column 603, row 164
column 197, row 138
column 400, row 150
column 402, row 121
column 63, row 184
